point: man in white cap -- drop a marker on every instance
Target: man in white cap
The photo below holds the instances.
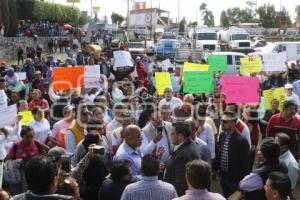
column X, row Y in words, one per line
column 290, row 95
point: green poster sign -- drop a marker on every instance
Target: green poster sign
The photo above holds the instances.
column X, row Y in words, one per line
column 198, row 82
column 217, row 62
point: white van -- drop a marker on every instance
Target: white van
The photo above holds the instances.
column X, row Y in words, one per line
column 233, row 61
column 292, row 49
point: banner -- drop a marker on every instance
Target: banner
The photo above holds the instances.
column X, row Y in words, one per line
column 217, row 62
column 250, row 65
column 195, row 67
column 198, row 82
column 21, row 75
column 274, row 62
column 277, row 93
column 26, row 117
column 122, row 59
column 162, row 80
column 67, row 77
column 92, row 76
column 3, row 99
column 8, row 115
column 240, row 89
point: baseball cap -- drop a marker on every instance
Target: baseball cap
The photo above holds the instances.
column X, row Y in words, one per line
column 288, row 86
column 138, row 58
column 57, row 152
column 10, row 69
column 37, row 72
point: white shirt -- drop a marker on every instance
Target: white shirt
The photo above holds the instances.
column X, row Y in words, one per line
column 41, row 129
column 58, row 126
column 111, row 126
column 148, row 147
column 7, row 142
column 207, row 136
column 294, row 98
column 175, row 102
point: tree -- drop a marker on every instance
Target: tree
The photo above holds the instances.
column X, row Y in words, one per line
column 13, row 22
column 283, row 19
column 267, row 16
column 207, row 15
column 5, row 14
column 224, row 20
column 297, row 10
column 116, row 18
column 182, row 24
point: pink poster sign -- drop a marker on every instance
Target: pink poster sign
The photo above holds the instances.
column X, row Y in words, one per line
column 240, row 89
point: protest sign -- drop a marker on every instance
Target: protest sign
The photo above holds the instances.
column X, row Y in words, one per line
column 21, row 75
column 277, row 93
column 92, row 76
column 122, row 59
column 250, row 65
column 26, row 117
column 198, row 81
column 195, row 67
column 162, row 80
column 3, row 99
column 166, row 64
column 238, row 89
column 217, row 62
column 67, row 77
column 274, row 62
column 8, row 115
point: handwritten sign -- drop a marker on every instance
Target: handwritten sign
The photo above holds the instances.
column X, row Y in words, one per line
column 3, row 99
column 217, row 62
column 197, row 81
column 162, row 80
column 250, row 65
column 26, row 117
column 8, row 115
column 274, row 62
column 92, row 76
column 240, row 89
column 277, row 93
column 67, row 77
column 195, row 67
column 122, row 59
column 21, row 75
column 166, row 64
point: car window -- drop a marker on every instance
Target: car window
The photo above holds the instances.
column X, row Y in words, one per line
column 238, row 59
column 229, row 60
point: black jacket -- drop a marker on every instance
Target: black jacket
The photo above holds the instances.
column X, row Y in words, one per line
column 29, row 196
column 238, row 156
column 175, row 168
column 111, row 190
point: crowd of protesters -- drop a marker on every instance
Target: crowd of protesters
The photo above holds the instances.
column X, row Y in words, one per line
column 124, row 141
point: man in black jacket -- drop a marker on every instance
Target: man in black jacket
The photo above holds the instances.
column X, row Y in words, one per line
column 233, row 155
column 185, row 150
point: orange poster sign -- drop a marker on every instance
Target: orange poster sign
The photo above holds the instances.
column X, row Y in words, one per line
column 67, row 77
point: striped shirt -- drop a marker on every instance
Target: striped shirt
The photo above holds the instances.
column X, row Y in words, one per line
column 149, row 188
column 224, row 155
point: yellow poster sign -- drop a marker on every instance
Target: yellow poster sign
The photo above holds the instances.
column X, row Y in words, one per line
column 195, row 67
column 277, row 93
column 26, row 117
column 162, row 80
column 251, row 65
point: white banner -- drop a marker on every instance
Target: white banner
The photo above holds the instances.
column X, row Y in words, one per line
column 92, row 76
column 122, row 59
column 166, row 64
column 3, row 99
column 274, row 62
column 8, row 115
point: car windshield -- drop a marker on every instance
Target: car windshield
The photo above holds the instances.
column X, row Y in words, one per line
column 135, row 45
column 207, row 36
column 240, row 37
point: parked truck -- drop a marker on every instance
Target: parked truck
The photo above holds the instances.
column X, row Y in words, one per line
column 235, row 39
column 205, row 39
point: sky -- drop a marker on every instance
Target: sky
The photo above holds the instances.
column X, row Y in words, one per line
column 188, row 8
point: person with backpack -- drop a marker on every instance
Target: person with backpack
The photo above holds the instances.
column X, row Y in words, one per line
column 18, row 156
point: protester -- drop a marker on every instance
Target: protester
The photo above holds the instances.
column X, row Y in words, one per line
column 185, row 150
column 198, row 188
column 277, row 186
column 149, row 187
column 120, row 177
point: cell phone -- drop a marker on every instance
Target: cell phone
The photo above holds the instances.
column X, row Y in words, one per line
column 97, row 149
column 66, row 163
column 159, row 128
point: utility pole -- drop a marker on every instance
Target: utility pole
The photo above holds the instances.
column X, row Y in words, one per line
column 178, row 14
column 128, row 14
column 151, row 34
